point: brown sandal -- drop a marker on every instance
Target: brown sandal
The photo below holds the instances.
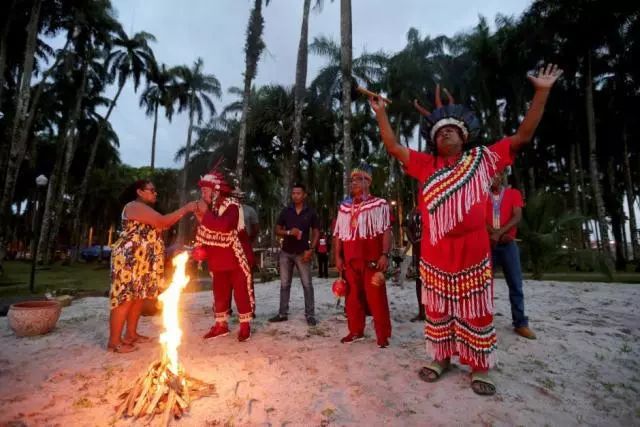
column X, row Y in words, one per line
column 481, row 384
column 140, row 339
column 433, row 371
column 122, row 348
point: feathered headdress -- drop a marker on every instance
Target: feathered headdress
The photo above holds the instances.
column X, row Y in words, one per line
column 451, row 114
column 363, row 169
column 216, row 179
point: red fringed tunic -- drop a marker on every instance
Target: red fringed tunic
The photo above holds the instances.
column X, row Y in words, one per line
column 219, row 235
column 361, row 227
column 455, row 262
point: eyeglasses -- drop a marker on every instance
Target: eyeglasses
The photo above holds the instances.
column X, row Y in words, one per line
column 151, row 190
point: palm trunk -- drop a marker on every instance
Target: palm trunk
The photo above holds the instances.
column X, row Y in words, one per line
column 299, row 94
column 185, row 173
column 153, row 138
column 311, row 176
column 583, row 187
column 72, row 144
column 84, row 185
column 346, row 57
column 242, row 138
column 626, row 168
column 615, row 210
column 573, row 178
column 625, row 242
column 33, row 110
column 593, row 159
column 253, row 50
column 57, row 182
column 575, row 193
column 52, row 189
column 4, row 38
column 18, row 142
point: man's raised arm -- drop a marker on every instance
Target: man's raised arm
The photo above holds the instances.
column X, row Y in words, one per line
column 542, row 83
column 394, row 148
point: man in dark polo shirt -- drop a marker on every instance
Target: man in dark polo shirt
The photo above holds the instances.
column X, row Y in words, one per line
column 294, row 223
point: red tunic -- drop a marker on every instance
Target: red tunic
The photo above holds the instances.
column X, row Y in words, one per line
column 455, row 264
column 227, row 259
column 221, row 257
column 511, row 198
column 361, row 227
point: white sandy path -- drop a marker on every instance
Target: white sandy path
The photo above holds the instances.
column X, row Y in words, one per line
column 583, row 369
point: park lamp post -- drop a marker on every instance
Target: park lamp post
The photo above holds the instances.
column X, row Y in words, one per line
column 41, row 184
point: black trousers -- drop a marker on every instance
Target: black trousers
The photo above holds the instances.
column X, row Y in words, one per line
column 323, row 265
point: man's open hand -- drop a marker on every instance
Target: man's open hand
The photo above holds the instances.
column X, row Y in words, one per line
column 546, row 77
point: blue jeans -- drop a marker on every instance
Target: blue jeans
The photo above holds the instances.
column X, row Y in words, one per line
column 287, row 261
column 507, row 256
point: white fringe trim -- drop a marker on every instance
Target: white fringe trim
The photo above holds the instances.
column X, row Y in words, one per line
column 471, row 307
column 445, row 350
column 452, row 211
column 373, row 220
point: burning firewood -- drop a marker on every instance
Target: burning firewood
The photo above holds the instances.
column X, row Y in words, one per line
column 161, row 391
column 165, row 388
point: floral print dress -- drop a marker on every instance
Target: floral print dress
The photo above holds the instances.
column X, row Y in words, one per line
column 137, row 263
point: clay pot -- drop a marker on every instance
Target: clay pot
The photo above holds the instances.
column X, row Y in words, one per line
column 31, row 318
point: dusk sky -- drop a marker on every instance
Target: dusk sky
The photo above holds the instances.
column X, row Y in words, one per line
column 215, row 31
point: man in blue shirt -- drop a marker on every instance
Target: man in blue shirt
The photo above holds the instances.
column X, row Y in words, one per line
column 295, row 223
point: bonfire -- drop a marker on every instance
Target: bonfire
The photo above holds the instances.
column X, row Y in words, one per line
column 165, row 388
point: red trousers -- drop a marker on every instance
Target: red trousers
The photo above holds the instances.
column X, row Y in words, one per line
column 224, row 284
column 362, row 294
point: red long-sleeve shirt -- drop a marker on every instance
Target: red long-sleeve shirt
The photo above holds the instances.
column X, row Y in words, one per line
column 220, row 255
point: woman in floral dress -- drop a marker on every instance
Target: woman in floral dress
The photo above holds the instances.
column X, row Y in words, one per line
column 137, row 262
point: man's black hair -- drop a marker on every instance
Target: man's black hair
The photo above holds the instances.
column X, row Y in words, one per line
column 299, row 185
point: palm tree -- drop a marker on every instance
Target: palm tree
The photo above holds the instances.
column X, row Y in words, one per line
column 330, row 83
column 66, row 147
column 346, row 57
column 193, row 94
column 158, row 94
column 130, row 58
column 18, row 143
column 300, row 91
column 544, row 228
column 367, row 69
column 253, row 48
column 593, row 155
column 4, row 41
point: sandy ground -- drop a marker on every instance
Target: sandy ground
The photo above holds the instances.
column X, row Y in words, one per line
column 583, row 370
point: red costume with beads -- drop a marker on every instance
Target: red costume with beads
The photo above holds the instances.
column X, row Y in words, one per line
column 455, row 264
column 219, row 234
column 360, row 227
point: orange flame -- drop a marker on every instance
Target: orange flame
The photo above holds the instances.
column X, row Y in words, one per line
column 170, row 338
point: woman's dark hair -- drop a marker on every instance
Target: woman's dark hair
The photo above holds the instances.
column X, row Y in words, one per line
column 131, row 192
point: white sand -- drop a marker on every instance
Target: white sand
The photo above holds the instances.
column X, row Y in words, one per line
column 582, row 370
